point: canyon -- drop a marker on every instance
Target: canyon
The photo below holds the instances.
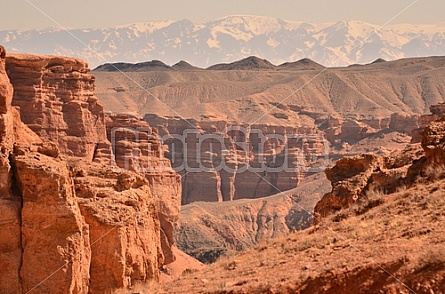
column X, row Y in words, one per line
column 91, row 189
column 319, row 115
column 222, row 161
column 251, row 114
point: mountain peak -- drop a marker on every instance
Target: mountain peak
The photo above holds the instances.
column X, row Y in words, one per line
column 378, row 60
column 250, row 63
column 184, row 65
column 302, row 64
column 154, row 65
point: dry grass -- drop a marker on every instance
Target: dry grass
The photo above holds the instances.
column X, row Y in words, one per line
column 399, row 232
column 435, row 172
column 433, row 257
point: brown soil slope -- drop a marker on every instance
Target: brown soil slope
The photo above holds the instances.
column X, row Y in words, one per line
column 405, row 86
column 393, row 244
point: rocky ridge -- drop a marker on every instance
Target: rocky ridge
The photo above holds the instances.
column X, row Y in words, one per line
column 353, row 179
column 73, row 221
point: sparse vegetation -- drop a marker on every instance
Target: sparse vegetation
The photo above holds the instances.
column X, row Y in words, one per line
column 399, row 233
column 433, row 257
column 373, row 198
column 435, row 172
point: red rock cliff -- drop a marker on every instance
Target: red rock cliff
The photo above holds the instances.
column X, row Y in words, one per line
column 57, row 101
column 223, row 161
column 137, row 147
column 69, row 223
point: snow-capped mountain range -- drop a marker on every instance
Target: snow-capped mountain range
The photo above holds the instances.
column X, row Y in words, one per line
column 233, row 38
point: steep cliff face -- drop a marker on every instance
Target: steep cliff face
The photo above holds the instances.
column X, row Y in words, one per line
column 57, row 101
column 223, row 161
column 124, row 226
column 54, row 234
column 10, row 243
column 70, row 223
column 84, row 228
column 137, row 147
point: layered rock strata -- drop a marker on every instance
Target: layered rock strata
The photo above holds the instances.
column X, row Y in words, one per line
column 136, row 147
column 70, row 222
column 57, row 101
column 223, row 161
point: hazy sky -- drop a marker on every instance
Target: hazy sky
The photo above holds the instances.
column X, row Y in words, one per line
column 20, row 14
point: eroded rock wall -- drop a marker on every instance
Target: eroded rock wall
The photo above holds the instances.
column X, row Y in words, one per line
column 71, row 221
column 10, row 203
column 124, row 226
column 437, row 112
column 57, row 101
column 223, row 161
column 55, row 241
column 137, row 147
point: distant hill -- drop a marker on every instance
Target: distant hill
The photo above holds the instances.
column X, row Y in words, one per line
column 302, row 64
column 154, row 65
column 249, row 63
column 406, row 86
column 183, row 65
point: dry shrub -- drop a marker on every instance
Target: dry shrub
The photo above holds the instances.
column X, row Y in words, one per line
column 433, row 257
column 374, row 197
column 435, row 172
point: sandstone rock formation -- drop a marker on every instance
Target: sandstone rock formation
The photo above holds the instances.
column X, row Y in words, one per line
column 136, row 147
column 433, row 142
column 71, row 221
column 57, row 101
column 55, row 241
column 404, row 123
column 223, row 161
column 124, row 227
column 437, row 112
column 10, row 204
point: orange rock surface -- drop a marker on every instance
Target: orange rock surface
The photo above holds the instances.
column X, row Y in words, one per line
column 71, row 220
